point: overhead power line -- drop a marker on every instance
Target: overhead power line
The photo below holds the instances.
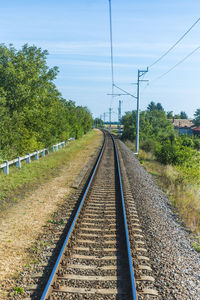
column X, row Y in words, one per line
column 111, row 49
column 177, row 64
column 174, row 45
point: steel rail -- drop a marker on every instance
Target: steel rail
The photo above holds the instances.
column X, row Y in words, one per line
column 48, row 286
column 133, row 284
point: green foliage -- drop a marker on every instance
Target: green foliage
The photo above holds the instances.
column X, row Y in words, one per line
column 98, row 122
column 197, row 117
column 18, row 290
column 154, row 127
column 33, row 113
column 153, row 106
column 166, row 153
column 183, row 115
column 196, row 247
column 12, row 187
column 169, row 114
column 196, row 244
column 60, row 222
column 157, row 135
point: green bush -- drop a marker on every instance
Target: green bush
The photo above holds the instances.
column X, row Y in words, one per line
column 148, row 145
column 166, row 153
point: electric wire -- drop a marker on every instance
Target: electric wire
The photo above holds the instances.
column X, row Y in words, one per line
column 177, row 64
column 127, row 93
column 111, row 50
column 174, row 45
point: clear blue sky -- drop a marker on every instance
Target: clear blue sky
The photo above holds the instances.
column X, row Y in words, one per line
column 76, row 34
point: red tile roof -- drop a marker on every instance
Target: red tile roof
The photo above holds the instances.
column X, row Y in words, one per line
column 196, row 128
column 182, row 123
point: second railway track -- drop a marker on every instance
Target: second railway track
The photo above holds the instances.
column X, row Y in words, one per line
column 95, row 261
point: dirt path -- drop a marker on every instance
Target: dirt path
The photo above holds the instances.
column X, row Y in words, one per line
column 21, row 224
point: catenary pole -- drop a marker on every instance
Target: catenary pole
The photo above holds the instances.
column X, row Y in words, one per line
column 120, row 114
column 138, row 114
column 140, row 73
column 111, row 57
column 110, row 109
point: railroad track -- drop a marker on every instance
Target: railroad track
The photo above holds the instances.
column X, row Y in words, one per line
column 95, row 260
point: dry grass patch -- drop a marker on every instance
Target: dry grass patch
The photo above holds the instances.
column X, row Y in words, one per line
column 22, row 222
column 185, row 198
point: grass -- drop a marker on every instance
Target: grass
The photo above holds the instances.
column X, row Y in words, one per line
column 185, row 198
column 60, row 222
column 18, row 290
column 19, row 181
column 196, row 246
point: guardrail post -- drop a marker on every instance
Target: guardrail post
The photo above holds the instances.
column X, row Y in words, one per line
column 28, row 159
column 43, row 153
column 18, row 163
column 36, row 155
column 6, row 168
column 53, row 149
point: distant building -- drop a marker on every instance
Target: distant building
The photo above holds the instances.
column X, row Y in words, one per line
column 196, row 131
column 183, row 126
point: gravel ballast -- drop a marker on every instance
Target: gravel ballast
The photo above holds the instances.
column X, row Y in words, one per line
column 175, row 264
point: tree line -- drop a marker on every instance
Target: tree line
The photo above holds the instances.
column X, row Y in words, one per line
column 33, row 113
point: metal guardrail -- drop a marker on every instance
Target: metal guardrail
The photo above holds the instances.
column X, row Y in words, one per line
column 17, row 161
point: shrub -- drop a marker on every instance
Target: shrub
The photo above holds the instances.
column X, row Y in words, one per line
column 166, row 153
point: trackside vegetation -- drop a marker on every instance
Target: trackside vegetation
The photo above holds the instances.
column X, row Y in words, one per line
column 21, row 181
column 173, row 159
column 33, row 113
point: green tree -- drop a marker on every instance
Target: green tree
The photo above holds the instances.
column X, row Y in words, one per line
column 151, row 106
column 33, row 113
column 155, row 106
column 197, row 117
column 177, row 116
column 98, row 122
column 183, row 115
column 170, row 115
column 159, row 106
column 154, row 127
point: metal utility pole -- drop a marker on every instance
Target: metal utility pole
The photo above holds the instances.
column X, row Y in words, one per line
column 120, row 114
column 104, row 117
column 101, row 117
column 110, row 111
column 140, row 74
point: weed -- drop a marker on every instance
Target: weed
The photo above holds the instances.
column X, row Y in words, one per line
column 18, row 290
column 61, row 222
column 196, row 246
column 154, row 173
column 34, row 261
column 44, row 244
